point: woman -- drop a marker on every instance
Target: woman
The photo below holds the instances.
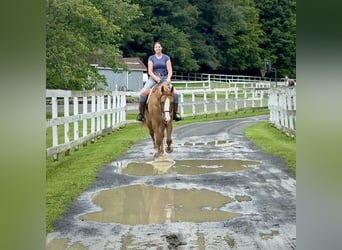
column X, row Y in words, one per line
column 160, row 71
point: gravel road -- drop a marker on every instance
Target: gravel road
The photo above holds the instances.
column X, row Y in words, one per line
column 216, row 190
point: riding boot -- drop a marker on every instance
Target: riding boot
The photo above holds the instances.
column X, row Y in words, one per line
column 142, row 106
column 176, row 116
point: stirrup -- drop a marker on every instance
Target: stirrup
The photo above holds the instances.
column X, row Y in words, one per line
column 140, row 117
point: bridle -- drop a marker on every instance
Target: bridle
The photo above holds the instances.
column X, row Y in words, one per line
column 166, row 99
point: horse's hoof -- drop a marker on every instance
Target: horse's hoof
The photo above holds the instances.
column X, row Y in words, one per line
column 156, row 155
column 169, row 150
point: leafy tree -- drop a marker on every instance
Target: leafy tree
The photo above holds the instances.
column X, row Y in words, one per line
column 243, row 51
column 79, row 33
column 167, row 22
column 227, row 35
column 278, row 21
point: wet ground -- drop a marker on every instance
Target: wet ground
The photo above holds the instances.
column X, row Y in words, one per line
column 216, row 190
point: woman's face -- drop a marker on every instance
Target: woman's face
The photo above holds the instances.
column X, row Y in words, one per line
column 157, row 47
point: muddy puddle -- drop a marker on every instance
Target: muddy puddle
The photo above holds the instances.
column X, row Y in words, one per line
column 63, row 244
column 142, row 204
column 217, row 143
column 164, row 165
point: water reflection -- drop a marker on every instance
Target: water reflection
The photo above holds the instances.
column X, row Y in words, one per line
column 141, row 204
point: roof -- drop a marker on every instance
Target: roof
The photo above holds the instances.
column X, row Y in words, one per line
column 133, row 63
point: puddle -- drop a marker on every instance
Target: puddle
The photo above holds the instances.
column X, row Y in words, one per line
column 267, row 236
column 141, row 204
column 218, row 143
column 242, row 198
column 185, row 167
column 229, row 240
column 200, row 240
column 126, row 241
column 62, row 244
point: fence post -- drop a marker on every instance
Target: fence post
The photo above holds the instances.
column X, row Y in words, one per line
column 75, row 103
column 54, row 106
column 85, row 123
column 66, row 125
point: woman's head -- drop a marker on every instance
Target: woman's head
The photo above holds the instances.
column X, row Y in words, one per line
column 157, row 47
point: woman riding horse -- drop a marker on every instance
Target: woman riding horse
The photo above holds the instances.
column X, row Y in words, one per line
column 160, row 71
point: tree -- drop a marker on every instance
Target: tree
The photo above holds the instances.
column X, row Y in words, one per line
column 227, row 35
column 278, row 21
column 243, row 52
column 167, row 22
column 79, row 33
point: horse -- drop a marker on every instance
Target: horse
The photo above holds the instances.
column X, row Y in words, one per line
column 289, row 82
column 158, row 117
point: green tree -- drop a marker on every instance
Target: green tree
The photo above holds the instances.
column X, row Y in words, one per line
column 79, row 33
column 227, row 35
column 243, row 52
column 167, row 22
column 278, row 21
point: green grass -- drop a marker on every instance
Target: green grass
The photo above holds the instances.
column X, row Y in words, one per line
column 68, row 177
column 270, row 140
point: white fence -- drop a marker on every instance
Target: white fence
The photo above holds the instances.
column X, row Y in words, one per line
column 222, row 83
column 282, row 106
column 80, row 116
column 94, row 113
column 227, row 79
column 213, row 101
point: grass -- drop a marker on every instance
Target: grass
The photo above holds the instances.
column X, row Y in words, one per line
column 68, row 177
column 270, row 140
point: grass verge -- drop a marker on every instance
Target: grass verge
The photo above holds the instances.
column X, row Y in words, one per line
column 270, row 140
column 68, row 177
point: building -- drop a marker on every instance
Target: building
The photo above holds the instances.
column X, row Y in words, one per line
column 131, row 80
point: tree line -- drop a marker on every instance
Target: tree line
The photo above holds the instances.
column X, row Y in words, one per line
column 208, row 36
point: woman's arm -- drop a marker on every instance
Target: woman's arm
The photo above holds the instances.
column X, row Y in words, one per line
column 150, row 71
column 169, row 71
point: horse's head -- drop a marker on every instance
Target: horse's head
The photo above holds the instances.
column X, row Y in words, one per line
column 166, row 102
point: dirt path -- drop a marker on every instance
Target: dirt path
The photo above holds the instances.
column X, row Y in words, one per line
column 215, row 191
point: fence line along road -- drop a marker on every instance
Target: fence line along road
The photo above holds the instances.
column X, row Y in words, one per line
column 106, row 113
column 80, row 116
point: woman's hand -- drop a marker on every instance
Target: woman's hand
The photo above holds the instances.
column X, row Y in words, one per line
column 157, row 79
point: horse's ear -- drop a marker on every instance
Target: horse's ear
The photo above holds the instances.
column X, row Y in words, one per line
column 162, row 88
column 172, row 89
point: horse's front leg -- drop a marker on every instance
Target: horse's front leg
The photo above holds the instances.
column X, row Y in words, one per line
column 169, row 138
column 157, row 142
column 159, row 147
column 153, row 138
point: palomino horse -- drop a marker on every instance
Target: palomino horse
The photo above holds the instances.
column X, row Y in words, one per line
column 159, row 116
